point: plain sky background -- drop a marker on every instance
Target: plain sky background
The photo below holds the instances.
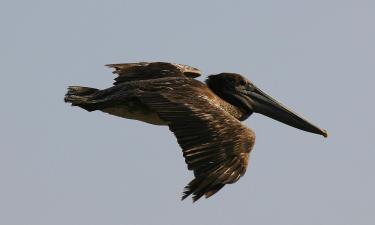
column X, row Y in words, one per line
column 63, row 165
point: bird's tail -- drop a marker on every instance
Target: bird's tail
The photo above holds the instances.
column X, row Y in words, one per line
column 82, row 97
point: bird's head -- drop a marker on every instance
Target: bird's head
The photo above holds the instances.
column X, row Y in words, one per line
column 243, row 94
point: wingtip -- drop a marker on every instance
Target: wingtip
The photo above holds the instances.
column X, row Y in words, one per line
column 187, row 191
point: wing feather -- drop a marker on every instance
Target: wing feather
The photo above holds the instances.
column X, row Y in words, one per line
column 151, row 70
column 215, row 145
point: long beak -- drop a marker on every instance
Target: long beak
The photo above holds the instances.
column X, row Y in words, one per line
column 266, row 105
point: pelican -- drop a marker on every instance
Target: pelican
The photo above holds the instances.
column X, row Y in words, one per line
column 204, row 117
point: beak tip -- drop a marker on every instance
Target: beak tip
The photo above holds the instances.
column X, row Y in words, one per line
column 325, row 133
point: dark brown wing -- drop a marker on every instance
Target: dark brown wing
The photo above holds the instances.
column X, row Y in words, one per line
column 151, row 70
column 215, row 145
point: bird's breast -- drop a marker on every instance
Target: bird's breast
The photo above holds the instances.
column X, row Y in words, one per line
column 140, row 114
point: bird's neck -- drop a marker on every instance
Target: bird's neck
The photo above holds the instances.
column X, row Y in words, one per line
column 235, row 111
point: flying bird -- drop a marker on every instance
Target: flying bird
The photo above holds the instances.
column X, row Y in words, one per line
column 204, row 117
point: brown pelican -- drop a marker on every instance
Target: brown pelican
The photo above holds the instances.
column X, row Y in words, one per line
column 205, row 118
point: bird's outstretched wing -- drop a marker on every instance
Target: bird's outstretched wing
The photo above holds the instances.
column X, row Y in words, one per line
column 215, row 145
column 151, row 70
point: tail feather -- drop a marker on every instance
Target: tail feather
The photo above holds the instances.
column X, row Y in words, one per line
column 81, row 96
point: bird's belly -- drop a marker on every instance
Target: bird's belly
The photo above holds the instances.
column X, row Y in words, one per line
column 141, row 115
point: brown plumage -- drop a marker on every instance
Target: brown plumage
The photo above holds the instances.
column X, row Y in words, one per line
column 204, row 118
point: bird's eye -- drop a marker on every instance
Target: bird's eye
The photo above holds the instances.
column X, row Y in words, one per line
column 242, row 82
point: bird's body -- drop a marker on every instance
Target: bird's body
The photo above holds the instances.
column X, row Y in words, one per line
column 123, row 99
column 204, row 117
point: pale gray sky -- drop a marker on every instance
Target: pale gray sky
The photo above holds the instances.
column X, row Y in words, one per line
column 63, row 165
